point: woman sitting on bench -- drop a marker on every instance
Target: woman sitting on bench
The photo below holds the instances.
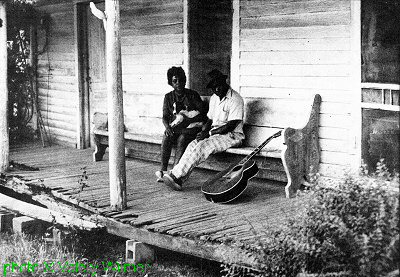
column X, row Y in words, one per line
column 183, row 116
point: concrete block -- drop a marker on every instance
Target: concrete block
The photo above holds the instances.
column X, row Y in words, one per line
column 6, row 221
column 29, row 225
column 59, row 236
column 138, row 253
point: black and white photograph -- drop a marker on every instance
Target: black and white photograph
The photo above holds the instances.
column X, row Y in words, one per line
column 200, row 138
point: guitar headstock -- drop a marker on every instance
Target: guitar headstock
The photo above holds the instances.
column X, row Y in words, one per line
column 276, row 134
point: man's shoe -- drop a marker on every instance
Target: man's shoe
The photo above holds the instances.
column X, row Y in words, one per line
column 173, row 182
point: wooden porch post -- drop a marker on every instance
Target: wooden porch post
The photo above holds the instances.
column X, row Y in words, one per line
column 115, row 108
column 4, row 141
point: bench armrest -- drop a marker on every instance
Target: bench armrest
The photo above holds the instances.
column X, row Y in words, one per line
column 301, row 153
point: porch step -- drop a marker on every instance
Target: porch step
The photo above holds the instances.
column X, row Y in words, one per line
column 270, row 168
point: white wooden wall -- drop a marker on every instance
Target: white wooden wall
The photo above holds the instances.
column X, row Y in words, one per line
column 58, row 94
column 152, row 42
column 292, row 49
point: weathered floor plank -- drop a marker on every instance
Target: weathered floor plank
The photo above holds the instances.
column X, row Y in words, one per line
column 153, row 207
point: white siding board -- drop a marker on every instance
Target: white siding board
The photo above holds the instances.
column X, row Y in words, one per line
column 139, row 104
column 168, row 48
column 172, row 28
column 333, row 133
column 313, row 32
column 143, row 4
column 154, row 59
column 59, row 121
column 255, row 91
column 143, row 88
column 333, row 145
column 45, row 101
column 296, row 57
column 297, row 20
column 152, row 40
column 337, row 158
column 335, row 120
column 46, row 64
column 294, row 70
column 153, row 69
column 296, row 44
column 61, row 79
column 320, row 83
column 148, row 78
column 60, row 94
column 65, row 111
column 252, row 8
column 45, row 84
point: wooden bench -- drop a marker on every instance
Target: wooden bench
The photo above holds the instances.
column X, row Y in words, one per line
column 290, row 158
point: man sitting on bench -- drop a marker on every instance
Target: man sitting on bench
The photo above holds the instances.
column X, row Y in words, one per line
column 223, row 129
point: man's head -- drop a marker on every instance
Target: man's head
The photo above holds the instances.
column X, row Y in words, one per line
column 218, row 82
column 176, row 78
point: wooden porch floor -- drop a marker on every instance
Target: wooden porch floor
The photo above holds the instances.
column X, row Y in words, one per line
column 154, row 209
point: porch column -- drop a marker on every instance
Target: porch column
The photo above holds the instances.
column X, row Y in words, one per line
column 115, row 108
column 4, row 141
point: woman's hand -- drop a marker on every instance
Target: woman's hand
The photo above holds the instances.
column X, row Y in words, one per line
column 169, row 132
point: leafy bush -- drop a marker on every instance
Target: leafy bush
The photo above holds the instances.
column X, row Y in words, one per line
column 349, row 228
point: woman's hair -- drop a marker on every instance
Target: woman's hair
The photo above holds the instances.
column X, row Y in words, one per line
column 176, row 71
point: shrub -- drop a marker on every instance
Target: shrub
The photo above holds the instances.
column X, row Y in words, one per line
column 348, row 228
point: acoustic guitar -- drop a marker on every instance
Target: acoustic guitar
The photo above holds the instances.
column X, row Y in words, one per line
column 231, row 182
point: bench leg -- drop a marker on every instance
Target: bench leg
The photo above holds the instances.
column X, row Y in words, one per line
column 302, row 154
column 99, row 151
column 293, row 163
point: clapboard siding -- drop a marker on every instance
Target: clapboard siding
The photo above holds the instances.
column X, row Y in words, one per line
column 297, row 44
column 265, row 8
column 294, row 49
column 152, row 41
column 320, row 83
column 168, row 48
column 296, row 57
column 297, row 20
column 58, row 94
column 341, row 96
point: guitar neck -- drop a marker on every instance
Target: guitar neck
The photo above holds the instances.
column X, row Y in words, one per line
column 259, row 148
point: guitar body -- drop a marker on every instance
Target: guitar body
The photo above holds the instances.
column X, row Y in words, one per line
column 229, row 183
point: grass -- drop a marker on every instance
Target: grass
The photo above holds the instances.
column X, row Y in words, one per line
column 103, row 249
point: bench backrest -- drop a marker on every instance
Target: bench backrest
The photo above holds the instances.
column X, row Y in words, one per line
column 265, row 116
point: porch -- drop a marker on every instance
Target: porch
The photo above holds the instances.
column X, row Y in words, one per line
column 180, row 221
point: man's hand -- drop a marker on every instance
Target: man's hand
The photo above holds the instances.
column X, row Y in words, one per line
column 202, row 135
column 169, row 132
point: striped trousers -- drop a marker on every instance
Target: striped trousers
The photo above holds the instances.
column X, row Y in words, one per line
column 198, row 151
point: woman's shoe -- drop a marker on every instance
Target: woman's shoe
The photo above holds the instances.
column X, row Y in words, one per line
column 160, row 175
